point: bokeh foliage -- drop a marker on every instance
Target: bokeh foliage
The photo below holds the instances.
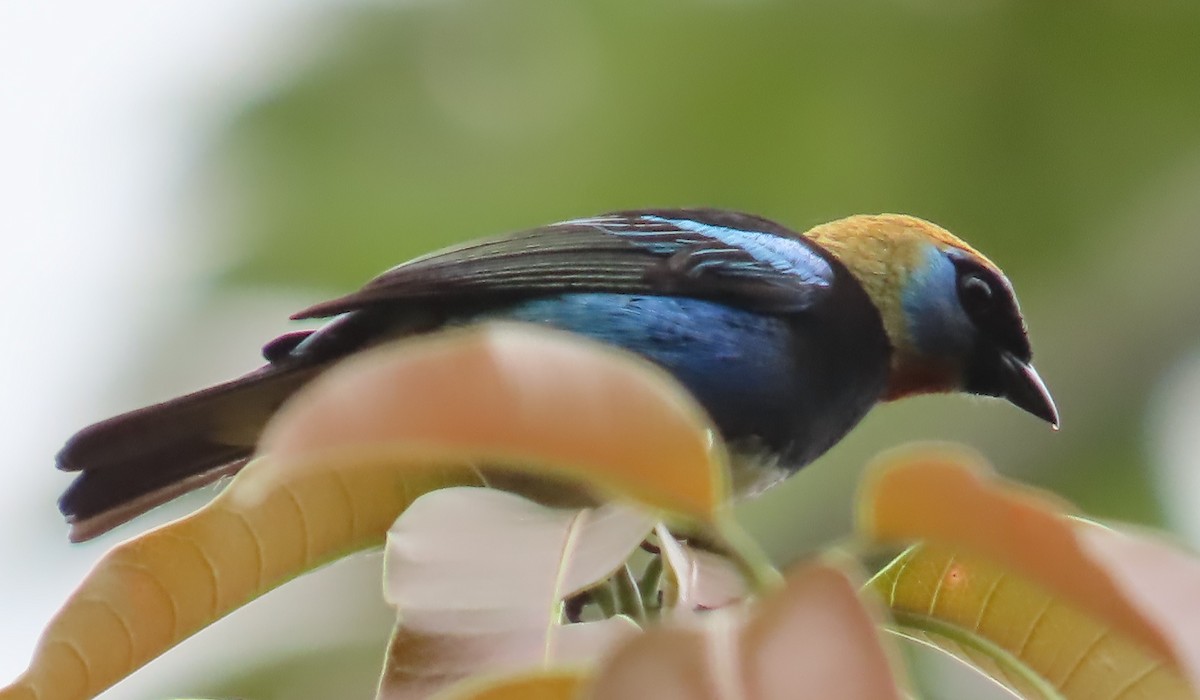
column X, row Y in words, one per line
column 1062, row 139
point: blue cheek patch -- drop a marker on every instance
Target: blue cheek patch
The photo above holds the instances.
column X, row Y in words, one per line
column 936, row 322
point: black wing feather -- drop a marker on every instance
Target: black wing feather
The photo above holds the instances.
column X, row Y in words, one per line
column 704, row 253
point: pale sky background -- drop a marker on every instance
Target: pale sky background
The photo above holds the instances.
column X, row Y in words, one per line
column 106, row 109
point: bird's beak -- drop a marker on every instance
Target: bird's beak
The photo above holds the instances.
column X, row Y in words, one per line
column 1026, row 390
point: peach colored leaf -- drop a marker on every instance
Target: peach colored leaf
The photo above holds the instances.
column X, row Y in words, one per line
column 478, row 577
column 813, row 638
column 951, row 499
column 348, row 454
column 1162, row 581
column 524, row 396
column 703, row 580
column 546, row 685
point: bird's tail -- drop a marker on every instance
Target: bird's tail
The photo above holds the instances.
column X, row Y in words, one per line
column 133, row 462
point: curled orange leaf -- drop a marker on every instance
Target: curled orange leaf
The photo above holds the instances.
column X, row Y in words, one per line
column 348, row 454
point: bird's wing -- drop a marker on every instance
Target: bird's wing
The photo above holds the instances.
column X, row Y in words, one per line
column 712, row 254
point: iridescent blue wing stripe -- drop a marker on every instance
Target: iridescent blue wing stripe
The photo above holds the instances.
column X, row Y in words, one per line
column 667, row 236
column 786, row 255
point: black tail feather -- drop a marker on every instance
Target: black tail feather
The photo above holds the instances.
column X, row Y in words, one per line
column 86, row 527
column 138, row 460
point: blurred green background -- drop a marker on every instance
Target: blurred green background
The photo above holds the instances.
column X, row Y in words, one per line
column 1064, row 143
column 1062, row 139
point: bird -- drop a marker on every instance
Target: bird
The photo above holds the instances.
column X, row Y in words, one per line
column 786, row 339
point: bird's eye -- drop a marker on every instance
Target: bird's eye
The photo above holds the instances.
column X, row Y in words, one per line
column 975, row 294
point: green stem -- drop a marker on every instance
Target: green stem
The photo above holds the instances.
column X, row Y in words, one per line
column 629, row 599
column 650, row 585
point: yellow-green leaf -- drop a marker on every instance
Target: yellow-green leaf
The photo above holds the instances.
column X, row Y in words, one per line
column 953, row 498
column 1024, row 637
column 547, row 685
column 149, row 593
column 1064, row 582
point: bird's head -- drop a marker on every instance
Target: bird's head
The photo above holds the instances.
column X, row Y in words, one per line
column 949, row 312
